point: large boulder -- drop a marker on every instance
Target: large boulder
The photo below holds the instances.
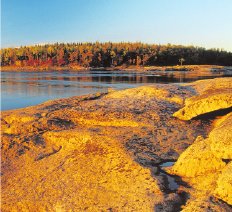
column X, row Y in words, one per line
column 197, row 159
column 221, row 139
column 204, row 104
column 207, row 167
column 213, row 95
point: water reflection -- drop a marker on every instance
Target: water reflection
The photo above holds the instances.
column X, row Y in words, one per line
column 21, row 89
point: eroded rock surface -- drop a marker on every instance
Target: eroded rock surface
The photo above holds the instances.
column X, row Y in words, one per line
column 221, row 139
column 198, row 159
column 206, row 167
column 224, row 184
column 216, row 95
column 97, row 152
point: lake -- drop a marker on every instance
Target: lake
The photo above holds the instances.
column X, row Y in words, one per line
column 22, row 89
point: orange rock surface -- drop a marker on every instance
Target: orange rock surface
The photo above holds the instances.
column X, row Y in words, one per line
column 97, row 152
column 206, row 164
column 212, row 95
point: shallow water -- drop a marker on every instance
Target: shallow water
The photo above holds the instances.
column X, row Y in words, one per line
column 167, row 164
column 22, row 89
column 172, row 183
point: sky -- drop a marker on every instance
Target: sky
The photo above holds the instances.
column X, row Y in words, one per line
column 206, row 23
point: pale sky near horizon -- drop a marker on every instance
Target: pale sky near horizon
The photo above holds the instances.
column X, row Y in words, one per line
column 205, row 23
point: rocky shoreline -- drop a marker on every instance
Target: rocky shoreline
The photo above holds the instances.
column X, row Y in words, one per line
column 109, row 151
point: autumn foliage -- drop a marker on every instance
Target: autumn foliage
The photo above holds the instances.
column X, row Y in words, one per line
column 111, row 54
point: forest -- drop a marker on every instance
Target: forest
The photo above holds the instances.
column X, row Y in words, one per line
column 112, row 55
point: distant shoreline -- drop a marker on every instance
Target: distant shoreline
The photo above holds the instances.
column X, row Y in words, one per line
column 116, row 68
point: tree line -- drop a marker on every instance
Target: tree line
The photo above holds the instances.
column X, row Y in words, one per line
column 112, row 54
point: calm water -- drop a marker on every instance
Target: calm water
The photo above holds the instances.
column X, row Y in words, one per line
column 21, row 89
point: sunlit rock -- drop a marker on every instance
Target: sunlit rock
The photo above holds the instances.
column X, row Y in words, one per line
column 147, row 92
column 206, row 86
column 98, row 152
column 221, row 139
column 198, row 159
column 214, row 95
column 224, row 184
column 206, row 166
column 205, row 104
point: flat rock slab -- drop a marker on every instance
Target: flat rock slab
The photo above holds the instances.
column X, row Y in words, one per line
column 94, row 152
